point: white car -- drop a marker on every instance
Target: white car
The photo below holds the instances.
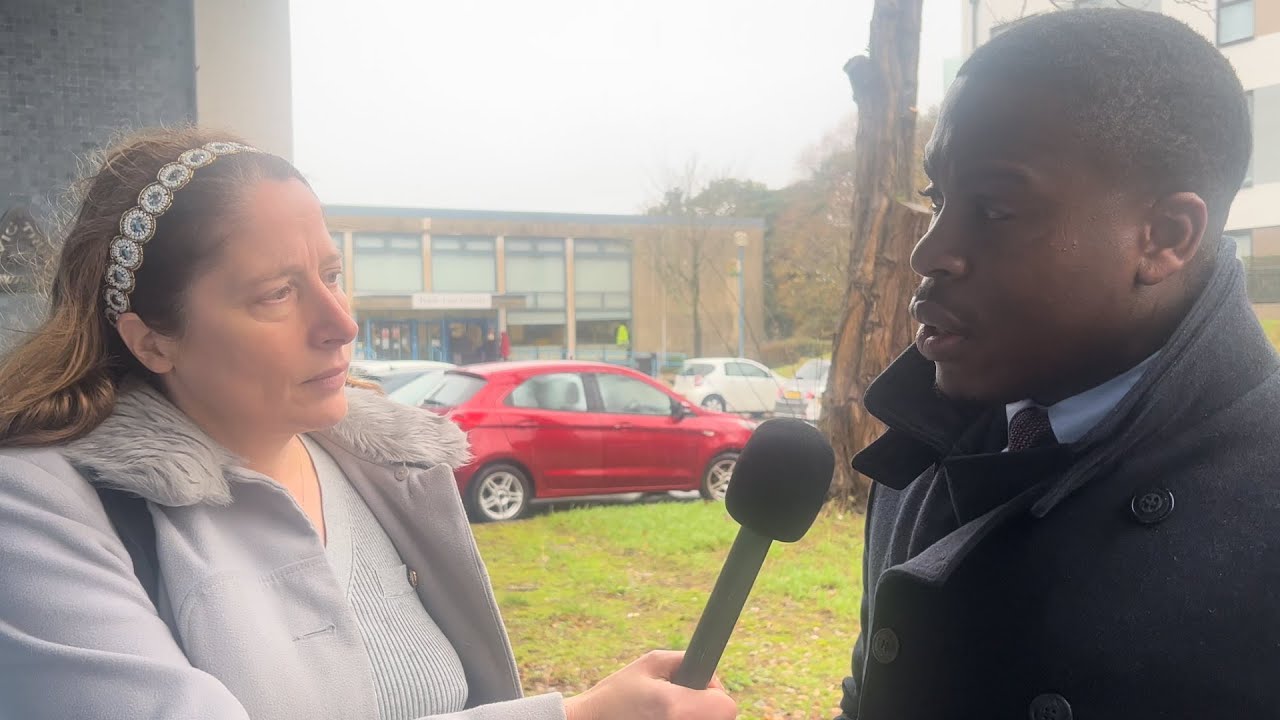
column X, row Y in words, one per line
column 802, row 397
column 380, row 368
column 734, row 385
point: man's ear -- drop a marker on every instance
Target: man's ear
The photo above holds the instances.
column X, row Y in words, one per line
column 156, row 352
column 1174, row 234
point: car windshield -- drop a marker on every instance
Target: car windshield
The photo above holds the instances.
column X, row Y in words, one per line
column 813, row 370
column 697, row 370
column 393, row 381
column 454, row 389
column 416, row 388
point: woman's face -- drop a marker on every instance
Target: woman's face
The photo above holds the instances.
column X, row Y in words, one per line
column 266, row 343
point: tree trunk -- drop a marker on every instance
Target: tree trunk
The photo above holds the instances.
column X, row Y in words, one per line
column 875, row 326
column 695, row 290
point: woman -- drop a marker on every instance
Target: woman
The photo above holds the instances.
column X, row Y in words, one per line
column 312, row 553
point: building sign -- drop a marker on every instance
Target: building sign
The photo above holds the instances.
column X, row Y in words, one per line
column 452, row 301
column 20, row 246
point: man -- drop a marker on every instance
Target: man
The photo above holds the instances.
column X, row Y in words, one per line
column 1075, row 510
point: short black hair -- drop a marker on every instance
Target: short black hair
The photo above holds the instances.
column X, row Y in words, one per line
column 1159, row 103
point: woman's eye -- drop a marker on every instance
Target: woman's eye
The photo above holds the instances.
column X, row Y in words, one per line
column 282, row 293
column 333, row 277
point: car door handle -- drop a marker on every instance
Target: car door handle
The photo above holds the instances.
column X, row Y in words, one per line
column 623, row 426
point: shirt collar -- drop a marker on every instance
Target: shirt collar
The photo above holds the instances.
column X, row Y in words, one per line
column 1072, row 418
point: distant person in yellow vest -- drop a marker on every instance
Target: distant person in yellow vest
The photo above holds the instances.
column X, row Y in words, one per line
column 623, row 339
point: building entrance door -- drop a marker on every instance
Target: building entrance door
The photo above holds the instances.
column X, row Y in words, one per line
column 390, row 340
column 467, row 342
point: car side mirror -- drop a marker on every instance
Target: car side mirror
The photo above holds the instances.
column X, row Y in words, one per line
column 678, row 410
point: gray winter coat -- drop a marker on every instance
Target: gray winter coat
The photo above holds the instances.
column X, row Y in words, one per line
column 260, row 627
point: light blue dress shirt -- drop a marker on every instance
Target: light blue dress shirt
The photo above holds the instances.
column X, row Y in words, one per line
column 1074, row 417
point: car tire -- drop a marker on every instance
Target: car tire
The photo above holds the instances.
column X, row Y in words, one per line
column 499, row 493
column 715, row 403
column 715, row 479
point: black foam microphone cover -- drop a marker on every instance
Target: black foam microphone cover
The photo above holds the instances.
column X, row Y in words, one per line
column 781, row 480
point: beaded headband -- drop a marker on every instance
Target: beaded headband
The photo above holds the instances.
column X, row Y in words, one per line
column 138, row 223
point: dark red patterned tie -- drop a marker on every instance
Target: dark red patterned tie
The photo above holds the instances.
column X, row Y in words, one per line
column 1030, row 428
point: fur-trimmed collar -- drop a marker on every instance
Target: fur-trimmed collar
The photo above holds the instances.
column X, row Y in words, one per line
column 149, row 447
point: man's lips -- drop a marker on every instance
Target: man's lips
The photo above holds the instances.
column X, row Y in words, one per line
column 938, row 318
column 941, row 334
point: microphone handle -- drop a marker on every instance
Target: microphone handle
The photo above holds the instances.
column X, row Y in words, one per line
column 723, row 608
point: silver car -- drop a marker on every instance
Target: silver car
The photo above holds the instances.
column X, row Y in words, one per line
column 801, row 397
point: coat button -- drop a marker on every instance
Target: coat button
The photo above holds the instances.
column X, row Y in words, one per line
column 413, row 577
column 1151, row 505
column 402, row 474
column 1050, row 706
column 884, row 646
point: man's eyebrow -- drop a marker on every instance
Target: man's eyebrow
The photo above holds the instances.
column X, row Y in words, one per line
column 1008, row 173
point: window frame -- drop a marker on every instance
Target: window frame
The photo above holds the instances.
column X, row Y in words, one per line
column 1217, row 22
column 386, row 248
column 600, row 395
column 585, row 398
column 464, row 250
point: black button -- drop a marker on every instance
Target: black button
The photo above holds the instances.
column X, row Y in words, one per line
column 1151, row 505
column 413, row 578
column 1050, row 706
column 884, row 646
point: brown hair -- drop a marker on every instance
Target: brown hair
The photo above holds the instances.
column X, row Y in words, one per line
column 61, row 381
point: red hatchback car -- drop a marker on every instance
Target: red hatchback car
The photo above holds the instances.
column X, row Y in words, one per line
column 569, row 429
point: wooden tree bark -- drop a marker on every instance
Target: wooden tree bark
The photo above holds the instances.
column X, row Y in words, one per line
column 875, row 325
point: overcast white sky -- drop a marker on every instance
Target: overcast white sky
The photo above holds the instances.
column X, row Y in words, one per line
column 572, row 105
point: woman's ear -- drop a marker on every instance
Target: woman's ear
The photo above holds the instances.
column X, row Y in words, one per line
column 156, row 352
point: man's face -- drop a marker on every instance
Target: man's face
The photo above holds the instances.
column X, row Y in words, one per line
column 1030, row 263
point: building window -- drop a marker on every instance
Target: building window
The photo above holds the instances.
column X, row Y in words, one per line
column 1262, row 274
column 601, row 296
column 463, row 264
column 536, row 269
column 1235, row 21
column 388, row 263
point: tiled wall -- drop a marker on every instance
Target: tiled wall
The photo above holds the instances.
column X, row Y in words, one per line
column 71, row 75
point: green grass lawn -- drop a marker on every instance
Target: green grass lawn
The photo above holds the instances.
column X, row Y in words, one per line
column 585, row 591
column 1272, row 328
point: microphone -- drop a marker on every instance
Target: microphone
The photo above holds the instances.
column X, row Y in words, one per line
column 777, row 489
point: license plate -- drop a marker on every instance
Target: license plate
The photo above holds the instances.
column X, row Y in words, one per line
column 793, row 395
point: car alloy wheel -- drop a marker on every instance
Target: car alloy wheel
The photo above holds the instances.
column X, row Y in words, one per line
column 715, row 403
column 715, row 483
column 500, row 493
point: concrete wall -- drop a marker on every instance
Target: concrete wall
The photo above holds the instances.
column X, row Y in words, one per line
column 243, row 79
